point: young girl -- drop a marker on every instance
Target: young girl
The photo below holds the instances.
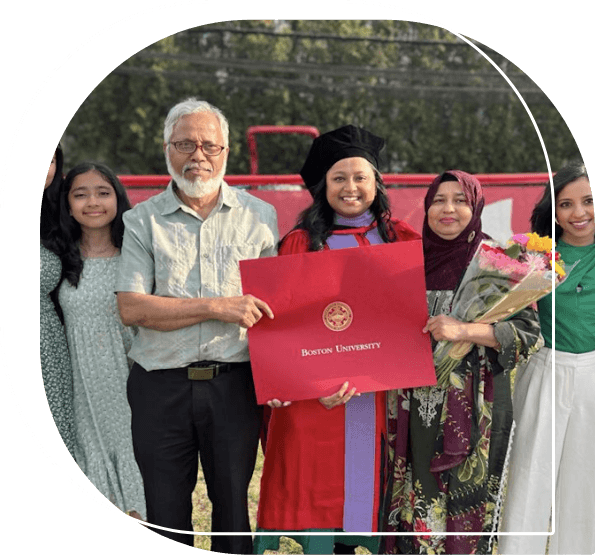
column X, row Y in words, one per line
column 92, row 202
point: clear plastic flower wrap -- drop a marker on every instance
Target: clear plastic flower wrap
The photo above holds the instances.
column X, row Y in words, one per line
column 498, row 283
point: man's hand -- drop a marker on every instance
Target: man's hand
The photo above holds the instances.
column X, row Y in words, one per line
column 172, row 313
column 245, row 310
column 339, row 398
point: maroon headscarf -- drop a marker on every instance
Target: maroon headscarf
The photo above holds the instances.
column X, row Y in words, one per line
column 446, row 260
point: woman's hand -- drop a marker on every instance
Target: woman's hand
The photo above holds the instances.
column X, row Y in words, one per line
column 276, row 404
column 339, row 398
column 446, row 328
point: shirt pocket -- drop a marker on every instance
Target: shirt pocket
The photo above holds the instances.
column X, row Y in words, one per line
column 175, row 252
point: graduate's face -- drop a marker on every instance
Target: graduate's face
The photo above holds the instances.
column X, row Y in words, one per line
column 450, row 213
column 350, row 186
column 574, row 213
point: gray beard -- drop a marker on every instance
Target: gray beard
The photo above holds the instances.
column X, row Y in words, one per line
column 198, row 188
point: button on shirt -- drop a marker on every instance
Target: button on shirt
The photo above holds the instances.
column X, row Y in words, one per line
column 170, row 251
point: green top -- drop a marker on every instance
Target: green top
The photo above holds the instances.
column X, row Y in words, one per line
column 575, row 303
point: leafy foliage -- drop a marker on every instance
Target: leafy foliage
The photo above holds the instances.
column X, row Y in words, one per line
column 438, row 103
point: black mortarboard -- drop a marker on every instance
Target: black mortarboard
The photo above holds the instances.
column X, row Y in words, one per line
column 346, row 142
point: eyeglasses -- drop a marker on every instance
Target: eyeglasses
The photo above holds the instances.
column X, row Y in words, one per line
column 188, row 147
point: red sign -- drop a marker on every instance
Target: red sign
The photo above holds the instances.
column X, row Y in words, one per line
column 351, row 315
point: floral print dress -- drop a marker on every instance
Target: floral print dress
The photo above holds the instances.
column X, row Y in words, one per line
column 56, row 369
column 99, row 343
column 447, row 446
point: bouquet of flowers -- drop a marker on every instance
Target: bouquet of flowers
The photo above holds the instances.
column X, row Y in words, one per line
column 499, row 282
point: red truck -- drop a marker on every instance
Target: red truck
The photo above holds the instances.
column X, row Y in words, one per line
column 510, row 198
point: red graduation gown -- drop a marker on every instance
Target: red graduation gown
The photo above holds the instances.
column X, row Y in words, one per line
column 303, row 479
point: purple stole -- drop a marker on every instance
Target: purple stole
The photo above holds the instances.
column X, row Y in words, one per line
column 360, row 412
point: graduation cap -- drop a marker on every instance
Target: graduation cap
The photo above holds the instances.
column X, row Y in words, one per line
column 346, row 142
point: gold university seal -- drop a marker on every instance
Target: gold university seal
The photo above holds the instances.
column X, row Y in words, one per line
column 337, row 316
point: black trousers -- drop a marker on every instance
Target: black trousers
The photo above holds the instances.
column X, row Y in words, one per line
column 174, row 421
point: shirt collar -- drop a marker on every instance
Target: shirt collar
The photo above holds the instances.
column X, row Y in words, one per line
column 228, row 196
column 172, row 202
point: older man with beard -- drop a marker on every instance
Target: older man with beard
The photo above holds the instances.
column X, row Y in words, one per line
column 190, row 388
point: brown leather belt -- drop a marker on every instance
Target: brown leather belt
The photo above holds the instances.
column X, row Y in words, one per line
column 207, row 370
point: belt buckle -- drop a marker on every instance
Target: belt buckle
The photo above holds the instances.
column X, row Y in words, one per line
column 202, row 372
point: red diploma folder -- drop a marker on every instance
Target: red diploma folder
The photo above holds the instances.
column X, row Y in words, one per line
column 352, row 314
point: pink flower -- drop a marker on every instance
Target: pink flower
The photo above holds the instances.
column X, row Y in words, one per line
column 496, row 261
column 537, row 262
column 520, row 238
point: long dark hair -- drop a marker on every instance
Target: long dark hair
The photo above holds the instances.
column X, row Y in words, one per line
column 70, row 229
column 541, row 218
column 318, row 219
column 50, row 206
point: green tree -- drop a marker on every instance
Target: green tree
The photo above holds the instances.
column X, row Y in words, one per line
column 437, row 102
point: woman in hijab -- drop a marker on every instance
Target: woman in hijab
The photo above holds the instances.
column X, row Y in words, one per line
column 56, row 369
column 529, row 495
column 447, row 445
column 306, row 484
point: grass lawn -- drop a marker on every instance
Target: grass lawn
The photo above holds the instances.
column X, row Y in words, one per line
column 201, row 515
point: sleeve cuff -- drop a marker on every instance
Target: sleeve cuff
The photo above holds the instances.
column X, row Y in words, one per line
column 507, row 337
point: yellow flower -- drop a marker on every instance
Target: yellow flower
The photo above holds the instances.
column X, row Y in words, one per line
column 537, row 243
column 559, row 270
